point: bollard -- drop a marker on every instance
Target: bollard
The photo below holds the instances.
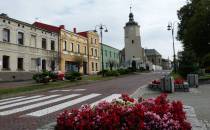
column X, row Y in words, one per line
column 192, row 80
column 167, row 84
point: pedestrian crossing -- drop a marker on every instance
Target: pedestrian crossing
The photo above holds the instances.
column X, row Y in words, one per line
column 18, row 100
column 67, row 90
column 11, row 98
column 41, row 105
column 62, row 106
column 28, row 101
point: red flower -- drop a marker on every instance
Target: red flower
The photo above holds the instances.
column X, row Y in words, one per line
column 149, row 114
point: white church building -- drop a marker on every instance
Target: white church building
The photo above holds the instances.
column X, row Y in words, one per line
column 134, row 55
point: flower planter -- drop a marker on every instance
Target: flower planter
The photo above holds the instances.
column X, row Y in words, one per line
column 126, row 114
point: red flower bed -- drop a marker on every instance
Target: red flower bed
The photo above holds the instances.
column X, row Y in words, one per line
column 156, row 82
column 126, row 114
column 179, row 81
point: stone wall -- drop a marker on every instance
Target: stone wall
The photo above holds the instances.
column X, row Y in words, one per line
column 15, row 76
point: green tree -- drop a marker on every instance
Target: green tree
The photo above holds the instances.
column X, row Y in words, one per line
column 187, row 63
column 194, row 27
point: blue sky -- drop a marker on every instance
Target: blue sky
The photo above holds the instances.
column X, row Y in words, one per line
column 152, row 16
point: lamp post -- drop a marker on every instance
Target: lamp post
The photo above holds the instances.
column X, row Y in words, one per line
column 101, row 27
column 171, row 28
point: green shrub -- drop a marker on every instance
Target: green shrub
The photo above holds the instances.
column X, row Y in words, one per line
column 122, row 71
column 53, row 76
column 112, row 73
column 72, row 76
column 101, row 72
column 41, row 77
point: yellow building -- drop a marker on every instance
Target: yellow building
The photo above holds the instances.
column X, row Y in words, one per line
column 93, row 51
column 73, row 52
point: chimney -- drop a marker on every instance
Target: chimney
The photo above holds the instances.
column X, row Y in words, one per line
column 75, row 30
column 62, row 27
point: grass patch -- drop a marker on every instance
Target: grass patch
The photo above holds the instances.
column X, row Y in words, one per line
column 204, row 77
column 38, row 87
column 6, row 92
column 96, row 78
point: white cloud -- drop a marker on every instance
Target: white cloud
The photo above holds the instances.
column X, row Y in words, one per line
column 152, row 15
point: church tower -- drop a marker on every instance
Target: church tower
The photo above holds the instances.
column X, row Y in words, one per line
column 134, row 53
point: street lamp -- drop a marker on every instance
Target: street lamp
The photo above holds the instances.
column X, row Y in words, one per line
column 171, row 28
column 101, row 27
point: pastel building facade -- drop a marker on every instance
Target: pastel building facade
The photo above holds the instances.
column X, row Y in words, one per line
column 111, row 57
column 74, row 54
column 25, row 49
column 94, row 51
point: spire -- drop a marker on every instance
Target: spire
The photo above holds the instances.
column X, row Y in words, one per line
column 131, row 17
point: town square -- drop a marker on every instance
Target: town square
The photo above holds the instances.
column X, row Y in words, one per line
column 104, row 65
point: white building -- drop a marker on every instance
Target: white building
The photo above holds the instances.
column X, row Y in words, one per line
column 25, row 49
column 134, row 53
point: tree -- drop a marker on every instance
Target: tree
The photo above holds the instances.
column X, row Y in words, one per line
column 111, row 64
column 187, row 63
column 194, row 27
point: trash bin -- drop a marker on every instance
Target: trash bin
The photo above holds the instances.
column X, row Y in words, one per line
column 167, row 84
column 192, row 80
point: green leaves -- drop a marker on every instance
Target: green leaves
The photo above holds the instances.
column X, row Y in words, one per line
column 194, row 27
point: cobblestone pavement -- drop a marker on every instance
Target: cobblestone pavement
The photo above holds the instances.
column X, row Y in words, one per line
column 198, row 98
column 32, row 111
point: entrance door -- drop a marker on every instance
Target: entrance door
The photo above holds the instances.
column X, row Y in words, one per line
column 85, row 67
column 134, row 65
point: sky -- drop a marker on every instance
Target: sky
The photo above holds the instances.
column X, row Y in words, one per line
column 153, row 17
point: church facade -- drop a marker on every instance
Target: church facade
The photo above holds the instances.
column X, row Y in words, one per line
column 134, row 55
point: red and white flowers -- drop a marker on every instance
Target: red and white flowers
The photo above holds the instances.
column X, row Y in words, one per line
column 127, row 114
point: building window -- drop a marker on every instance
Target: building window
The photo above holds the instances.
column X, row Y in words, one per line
column 72, row 47
column 20, row 64
column 78, row 48
column 110, row 54
column 44, row 43
column 43, row 64
column 6, row 35
column 65, row 46
column 132, row 41
column 92, row 66
column 20, row 38
column 5, row 62
column 96, row 52
column 91, row 40
column 85, row 50
column 105, row 52
column 114, row 55
column 96, row 66
column 52, row 45
column 92, row 51
column 95, row 41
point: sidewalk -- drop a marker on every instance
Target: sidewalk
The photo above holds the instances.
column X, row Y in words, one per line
column 16, row 84
column 198, row 98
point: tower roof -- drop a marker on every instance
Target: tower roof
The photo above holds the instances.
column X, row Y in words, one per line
column 131, row 20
